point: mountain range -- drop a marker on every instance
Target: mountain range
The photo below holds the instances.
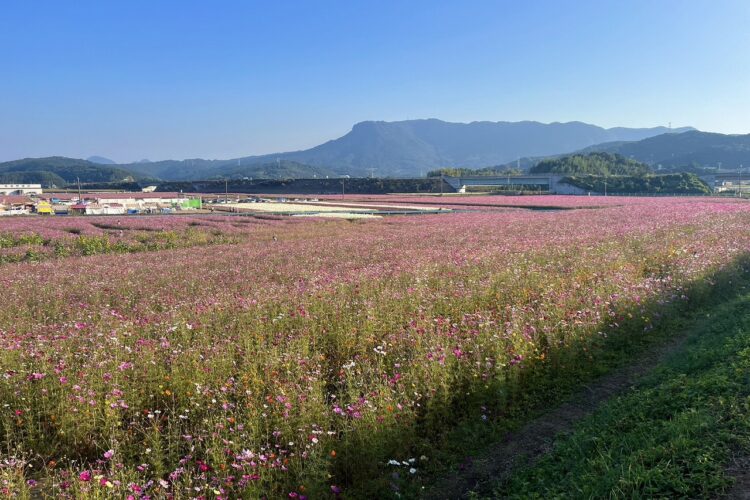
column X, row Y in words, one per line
column 59, row 171
column 412, row 148
column 101, row 160
column 692, row 148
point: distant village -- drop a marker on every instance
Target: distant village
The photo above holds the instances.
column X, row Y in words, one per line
column 29, row 199
column 24, row 199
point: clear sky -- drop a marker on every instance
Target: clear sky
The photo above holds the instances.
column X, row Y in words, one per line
column 157, row 79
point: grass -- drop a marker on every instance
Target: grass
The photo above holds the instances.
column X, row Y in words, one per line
column 672, row 435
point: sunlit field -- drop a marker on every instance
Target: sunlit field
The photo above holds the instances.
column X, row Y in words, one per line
column 234, row 356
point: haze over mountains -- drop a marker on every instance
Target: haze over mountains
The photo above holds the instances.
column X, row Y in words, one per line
column 408, row 148
column 101, row 160
column 411, row 148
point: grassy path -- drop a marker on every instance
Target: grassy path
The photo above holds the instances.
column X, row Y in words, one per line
column 682, row 431
column 536, row 438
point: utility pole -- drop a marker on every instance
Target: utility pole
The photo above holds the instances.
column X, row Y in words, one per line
column 78, row 180
column 605, row 185
column 441, row 183
column 343, row 188
column 226, row 190
column 739, row 182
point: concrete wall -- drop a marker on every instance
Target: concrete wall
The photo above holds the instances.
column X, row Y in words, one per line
column 311, row 186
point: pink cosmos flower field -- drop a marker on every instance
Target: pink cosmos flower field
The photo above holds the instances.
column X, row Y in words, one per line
column 236, row 357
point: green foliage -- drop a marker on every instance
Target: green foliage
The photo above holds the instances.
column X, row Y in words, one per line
column 592, row 164
column 683, row 183
column 92, row 245
column 9, row 240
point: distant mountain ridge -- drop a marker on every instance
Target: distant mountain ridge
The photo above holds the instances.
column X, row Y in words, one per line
column 101, row 160
column 692, row 148
column 413, row 147
column 59, row 171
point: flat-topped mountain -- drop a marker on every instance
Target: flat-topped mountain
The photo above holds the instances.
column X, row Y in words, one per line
column 412, row 147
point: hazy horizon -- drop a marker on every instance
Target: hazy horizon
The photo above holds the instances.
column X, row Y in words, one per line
column 134, row 80
column 86, row 156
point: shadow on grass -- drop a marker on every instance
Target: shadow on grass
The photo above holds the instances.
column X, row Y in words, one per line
column 460, row 423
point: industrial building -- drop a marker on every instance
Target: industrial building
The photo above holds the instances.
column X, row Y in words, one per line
column 20, row 189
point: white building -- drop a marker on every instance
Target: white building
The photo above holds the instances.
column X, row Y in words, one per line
column 13, row 189
column 137, row 200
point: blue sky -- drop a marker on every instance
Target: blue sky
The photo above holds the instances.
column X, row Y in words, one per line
column 179, row 79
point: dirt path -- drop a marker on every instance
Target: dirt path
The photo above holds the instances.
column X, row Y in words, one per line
column 527, row 445
column 739, row 469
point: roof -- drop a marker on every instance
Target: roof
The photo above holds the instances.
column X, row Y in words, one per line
column 110, row 196
column 137, row 196
column 15, row 199
column 59, row 196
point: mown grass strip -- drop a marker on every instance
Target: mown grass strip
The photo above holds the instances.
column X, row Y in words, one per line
column 671, row 436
